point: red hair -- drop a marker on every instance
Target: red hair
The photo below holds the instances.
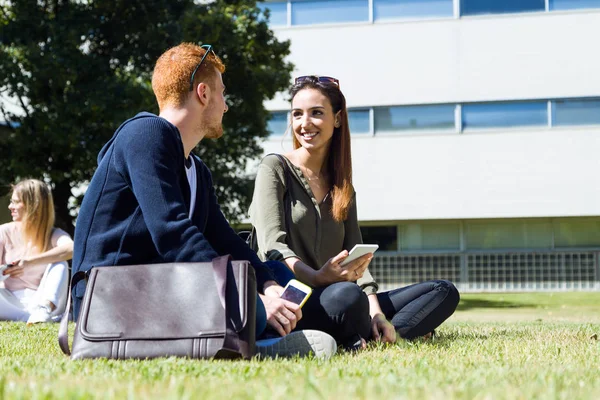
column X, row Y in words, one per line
column 173, row 70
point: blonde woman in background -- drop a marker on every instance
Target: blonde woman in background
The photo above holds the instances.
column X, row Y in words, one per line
column 36, row 279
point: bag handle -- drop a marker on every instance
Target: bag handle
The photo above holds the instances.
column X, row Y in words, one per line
column 226, row 288
column 63, row 330
column 286, row 170
column 251, row 239
column 228, row 294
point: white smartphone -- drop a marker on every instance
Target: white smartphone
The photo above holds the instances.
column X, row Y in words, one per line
column 296, row 292
column 358, row 251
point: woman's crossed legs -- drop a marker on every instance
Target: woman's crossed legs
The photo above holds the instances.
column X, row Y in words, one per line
column 342, row 309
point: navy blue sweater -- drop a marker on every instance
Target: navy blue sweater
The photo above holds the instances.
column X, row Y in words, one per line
column 135, row 210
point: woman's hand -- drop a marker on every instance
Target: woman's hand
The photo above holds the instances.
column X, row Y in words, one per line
column 333, row 272
column 382, row 329
column 282, row 315
column 15, row 269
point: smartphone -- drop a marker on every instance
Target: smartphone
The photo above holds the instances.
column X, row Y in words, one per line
column 296, row 292
column 358, row 251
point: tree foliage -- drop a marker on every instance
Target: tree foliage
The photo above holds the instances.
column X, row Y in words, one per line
column 79, row 68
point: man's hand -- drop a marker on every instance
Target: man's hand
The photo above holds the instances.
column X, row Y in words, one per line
column 282, row 315
column 382, row 329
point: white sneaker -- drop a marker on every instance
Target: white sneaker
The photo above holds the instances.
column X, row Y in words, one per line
column 299, row 343
column 40, row 313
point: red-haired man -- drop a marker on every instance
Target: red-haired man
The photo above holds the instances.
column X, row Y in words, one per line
column 151, row 200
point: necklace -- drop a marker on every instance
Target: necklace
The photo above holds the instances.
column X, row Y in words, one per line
column 308, row 177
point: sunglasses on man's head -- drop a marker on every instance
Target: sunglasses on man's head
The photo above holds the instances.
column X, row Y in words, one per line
column 208, row 49
column 315, row 79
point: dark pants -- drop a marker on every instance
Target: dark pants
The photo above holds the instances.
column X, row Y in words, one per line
column 342, row 309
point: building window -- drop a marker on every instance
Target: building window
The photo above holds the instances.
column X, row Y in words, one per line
column 384, row 236
column 573, row 4
column 404, row 119
column 278, row 123
column 484, row 235
column 478, row 7
column 429, row 236
column 576, row 232
column 360, row 122
column 504, row 115
column 278, row 11
column 329, row 11
column 575, row 112
column 394, row 9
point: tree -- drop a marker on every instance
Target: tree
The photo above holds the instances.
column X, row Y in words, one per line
column 79, row 68
column 256, row 71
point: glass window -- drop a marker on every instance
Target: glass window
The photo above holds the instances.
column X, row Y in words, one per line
column 508, row 234
column 393, row 9
column 475, row 7
column 329, row 11
column 430, row 236
column 576, row 112
column 278, row 123
column 410, row 118
column 359, row 122
column 385, row 236
column 278, row 12
column 573, row 4
column 577, row 232
column 501, row 115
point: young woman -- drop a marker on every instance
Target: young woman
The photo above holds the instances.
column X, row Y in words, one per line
column 304, row 213
column 36, row 280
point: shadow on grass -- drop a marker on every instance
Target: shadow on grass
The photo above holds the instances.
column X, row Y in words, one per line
column 447, row 339
column 469, row 304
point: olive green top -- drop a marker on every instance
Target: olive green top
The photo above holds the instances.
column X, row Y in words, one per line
column 310, row 232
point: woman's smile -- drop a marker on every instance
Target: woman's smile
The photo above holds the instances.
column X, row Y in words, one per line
column 308, row 135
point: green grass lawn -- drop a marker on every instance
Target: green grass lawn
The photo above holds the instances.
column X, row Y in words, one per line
column 505, row 346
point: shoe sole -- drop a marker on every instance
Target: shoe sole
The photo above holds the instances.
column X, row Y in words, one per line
column 37, row 321
column 301, row 343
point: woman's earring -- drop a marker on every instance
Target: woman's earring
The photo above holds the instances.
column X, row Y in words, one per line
column 337, row 124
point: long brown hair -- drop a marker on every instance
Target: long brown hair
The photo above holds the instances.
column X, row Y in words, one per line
column 38, row 213
column 339, row 159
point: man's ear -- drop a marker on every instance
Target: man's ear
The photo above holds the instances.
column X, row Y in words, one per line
column 203, row 93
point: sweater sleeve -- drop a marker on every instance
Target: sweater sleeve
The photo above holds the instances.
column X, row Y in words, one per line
column 353, row 237
column 268, row 210
column 226, row 241
column 149, row 156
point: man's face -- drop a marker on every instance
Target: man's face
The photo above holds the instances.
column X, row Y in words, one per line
column 213, row 123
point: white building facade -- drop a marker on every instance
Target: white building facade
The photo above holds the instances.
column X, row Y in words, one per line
column 475, row 133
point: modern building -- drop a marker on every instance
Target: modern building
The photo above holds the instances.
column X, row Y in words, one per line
column 475, row 133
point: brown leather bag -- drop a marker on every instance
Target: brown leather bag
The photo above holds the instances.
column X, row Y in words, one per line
column 194, row 310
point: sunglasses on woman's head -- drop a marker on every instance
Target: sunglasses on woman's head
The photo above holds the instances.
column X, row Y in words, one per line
column 208, row 49
column 315, row 79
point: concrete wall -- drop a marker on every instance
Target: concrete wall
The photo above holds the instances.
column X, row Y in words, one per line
column 538, row 172
column 533, row 173
column 506, row 57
